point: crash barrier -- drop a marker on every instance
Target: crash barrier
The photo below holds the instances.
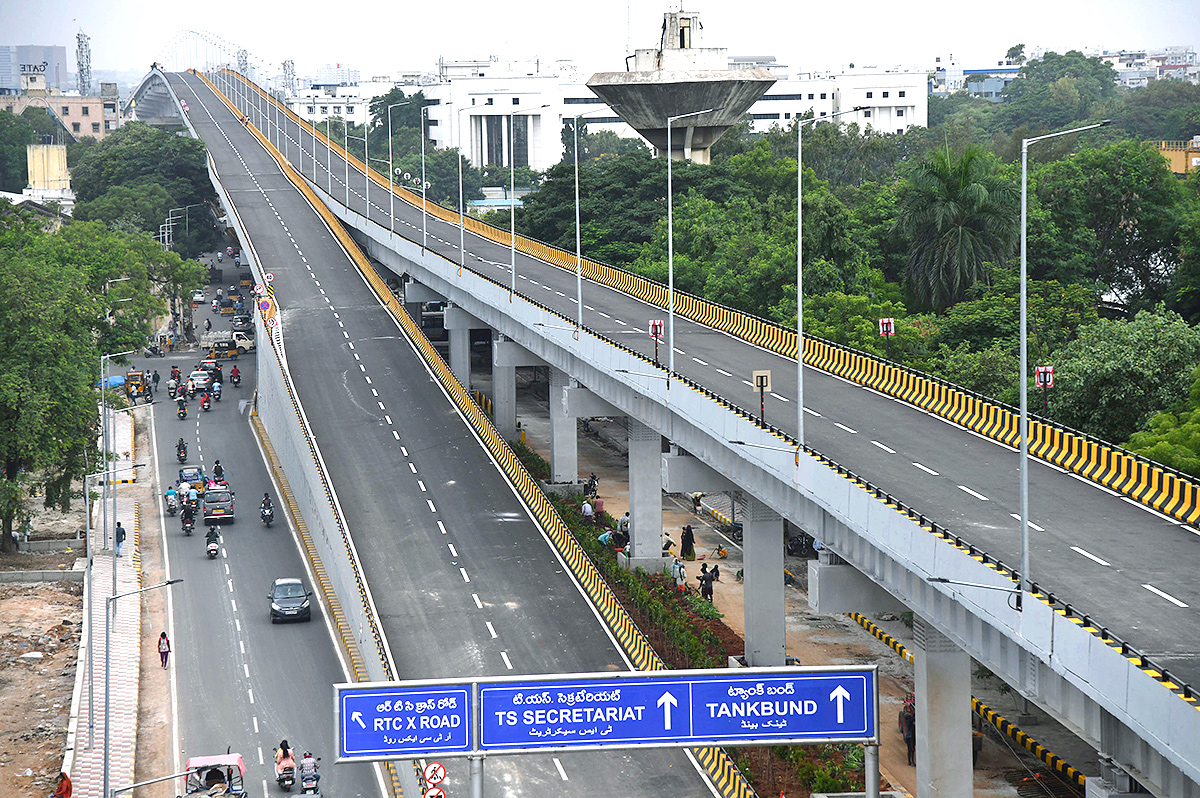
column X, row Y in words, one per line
column 1002, row 724
column 1065, row 611
column 1155, row 485
column 716, row 762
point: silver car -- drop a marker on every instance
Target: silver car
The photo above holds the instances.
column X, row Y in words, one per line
column 218, row 505
column 202, row 379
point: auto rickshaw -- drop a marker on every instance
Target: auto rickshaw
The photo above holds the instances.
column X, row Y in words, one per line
column 135, row 386
column 223, row 774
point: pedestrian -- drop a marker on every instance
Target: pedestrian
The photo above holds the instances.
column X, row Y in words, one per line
column 687, row 543
column 62, row 786
column 207, row 324
column 680, row 576
column 705, row 579
column 624, row 524
column 589, row 515
column 155, row 380
column 908, row 725
column 119, row 537
column 164, row 648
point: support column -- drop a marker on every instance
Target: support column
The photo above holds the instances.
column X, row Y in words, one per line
column 645, row 496
column 763, row 610
column 943, row 709
column 460, row 355
column 504, row 397
column 564, row 438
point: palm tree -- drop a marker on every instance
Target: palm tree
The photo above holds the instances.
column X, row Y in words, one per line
column 960, row 217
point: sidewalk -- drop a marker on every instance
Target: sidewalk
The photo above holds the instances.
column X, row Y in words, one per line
column 85, row 765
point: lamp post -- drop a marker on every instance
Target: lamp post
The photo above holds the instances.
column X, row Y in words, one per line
column 512, row 194
column 110, row 608
column 578, row 245
column 671, row 247
column 391, row 166
column 799, row 268
column 346, row 150
column 91, row 552
column 462, row 217
column 1026, row 581
column 424, row 184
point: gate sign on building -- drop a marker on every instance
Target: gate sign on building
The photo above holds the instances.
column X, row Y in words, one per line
column 385, row 720
column 747, row 706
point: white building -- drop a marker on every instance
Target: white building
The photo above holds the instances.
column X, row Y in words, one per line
column 892, row 101
column 318, row 103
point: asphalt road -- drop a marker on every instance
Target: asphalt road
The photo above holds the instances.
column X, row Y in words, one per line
column 464, row 582
column 242, row 682
column 1125, row 564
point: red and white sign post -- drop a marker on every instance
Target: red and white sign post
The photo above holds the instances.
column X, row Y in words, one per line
column 887, row 328
column 656, row 332
column 1043, row 376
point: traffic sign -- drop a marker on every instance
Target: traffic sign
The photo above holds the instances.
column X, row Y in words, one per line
column 435, row 772
column 887, row 328
column 258, row 289
column 1043, row 376
column 394, row 720
column 435, row 792
column 656, row 328
column 742, row 707
column 265, row 305
column 268, row 277
column 270, row 323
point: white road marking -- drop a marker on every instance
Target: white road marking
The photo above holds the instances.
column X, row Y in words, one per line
column 368, row 379
column 374, row 392
column 507, row 663
column 441, row 527
column 702, row 363
column 491, row 630
column 1032, row 525
column 979, row 496
column 842, row 426
column 432, row 509
column 250, row 693
column 812, row 412
column 926, row 469
column 478, row 603
column 381, row 407
column 242, row 646
column 260, row 756
column 388, row 419
column 246, row 668
column 747, row 382
column 412, row 468
column 421, row 485
column 605, row 315
column 1189, row 529
column 887, row 449
column 723, row 371
column 404, row 451
column 453, row 551
column 1090, row 556
column 463, row 571
column 1150, row 510
column 237, row 624
column 781, row 398
column 561, row 772
column 395, row 435
column 1167, row 596
column 234, row 603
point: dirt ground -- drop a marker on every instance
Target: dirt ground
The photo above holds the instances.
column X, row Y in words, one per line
column 38, row 618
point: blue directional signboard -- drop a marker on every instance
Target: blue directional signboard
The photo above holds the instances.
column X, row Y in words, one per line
column 382, row 721
column 747, row 706
column 674, row 708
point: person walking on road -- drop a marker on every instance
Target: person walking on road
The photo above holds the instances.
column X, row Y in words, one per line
column 705, row 579
column 687, row 543
column 164, row 648
column 155, row 380
column 119, row 537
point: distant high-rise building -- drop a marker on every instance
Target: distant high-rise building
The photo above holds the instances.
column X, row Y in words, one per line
column 49, row 61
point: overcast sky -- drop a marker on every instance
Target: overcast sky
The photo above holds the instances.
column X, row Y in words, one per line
column 382, row 38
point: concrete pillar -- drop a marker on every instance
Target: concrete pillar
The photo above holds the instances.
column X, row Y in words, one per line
column 645, row 496
column 460, row 355
column 504, row 397
column 762, row 551
column 943, row 709
column 564, row 439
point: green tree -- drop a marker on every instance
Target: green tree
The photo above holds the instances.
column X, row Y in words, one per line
column 1112, row 378
column 1057, row 89
column 1153, row 112
column 47, row 355
column 1184, row 296
column 961, row 217
column 142, row 208
column 15, row 134
column 137, row 155
column 1114, row 219
column 1015, row 54
column 1173, row 436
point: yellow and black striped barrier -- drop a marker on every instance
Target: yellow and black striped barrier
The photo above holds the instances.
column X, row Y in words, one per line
column 1005, row 726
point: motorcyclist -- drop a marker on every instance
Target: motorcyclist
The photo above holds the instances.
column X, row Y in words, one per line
column 171, row 495
column 218, row 471
column 175, row 374
column 235, row 375
column 181, row 402
column 205, row 399
column 266, row 503
column 172, row 386
column 284, row 758
column 181, row 446
column 309, row 767
column 213, row 535
column 191, row 387
column 216, row 390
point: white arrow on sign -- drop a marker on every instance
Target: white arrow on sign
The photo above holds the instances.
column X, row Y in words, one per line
column 357, row 718
column 840, row 695
column 666, row 702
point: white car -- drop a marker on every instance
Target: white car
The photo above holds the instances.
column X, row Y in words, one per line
column 202, row 379
column 198, row 298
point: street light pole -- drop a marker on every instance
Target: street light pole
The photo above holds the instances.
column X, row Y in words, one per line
column 424, row 205
column 110, row 610
column 1026, row 581
column 391, row 166
column 462, row 219
column 671, row 247
column 578, row 244
column 512, row 194
column 799, row 267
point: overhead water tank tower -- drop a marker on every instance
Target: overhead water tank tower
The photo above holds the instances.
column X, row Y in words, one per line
column 680, row 77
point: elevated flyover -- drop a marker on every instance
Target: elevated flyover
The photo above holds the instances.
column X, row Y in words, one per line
column 153, row 103
column 885, row 462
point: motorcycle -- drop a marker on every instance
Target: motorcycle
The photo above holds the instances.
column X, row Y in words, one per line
column 153, row 350
column 172, row 391
column 592, row 488
column 236, row 379
column 267, row 514
column 175, row 373
column 172, row 505
column 309, row 783
column 181, row 453
column 189, row 526
column 206, row 403
column 212, row 546
column 286, row 778
column 182, row 413
column 216, row 391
